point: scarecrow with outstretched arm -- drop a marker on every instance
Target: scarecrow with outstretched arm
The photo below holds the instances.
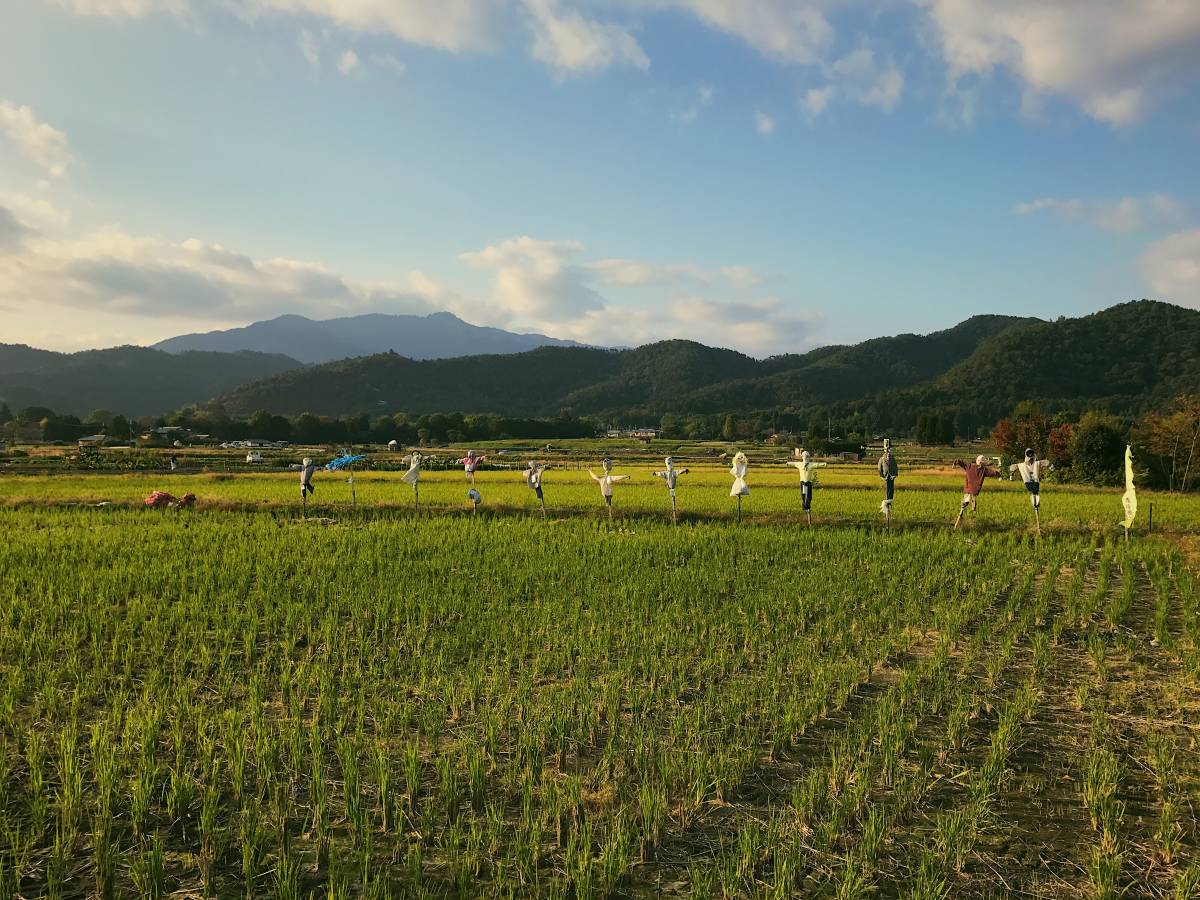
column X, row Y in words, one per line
column 807, row 466
column 974, row 475
column 470, row 463
column 888, row 470
column 533, row 480
column 413, row 476
column 670, row 475
column 606, row 482
column 1031, row 470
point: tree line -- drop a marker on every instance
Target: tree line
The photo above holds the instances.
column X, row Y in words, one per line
column 1087, row 447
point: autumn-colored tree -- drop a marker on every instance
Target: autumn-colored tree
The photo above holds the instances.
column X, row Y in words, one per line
column 1026, row 427
column 1062, row 438
column 1171, row 438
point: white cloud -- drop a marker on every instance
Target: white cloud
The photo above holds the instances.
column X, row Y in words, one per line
column 1121, row 215
column 570, row 43
column 347, row 62
column 536, row 280
column 764, row 124
column 111, row 271
column 816, row 100
column 12, row 231
column 702, row 98
column 388, row 61
column 1172, row 267
column 129, row 8
column 860, row 77
column 741, row 276
column 1113, row 58
column 452, row 25
column 309, row 48
column 787, row 31
column 36, row 211
column 541, row 285
column 43, row 144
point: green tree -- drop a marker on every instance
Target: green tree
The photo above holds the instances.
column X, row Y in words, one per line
column 1098, row 451
column 307, row 428
column 729, row 429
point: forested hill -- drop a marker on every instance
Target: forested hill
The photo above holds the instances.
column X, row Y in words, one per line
column 646, row 382
column 135, row 381
column 1125, row 359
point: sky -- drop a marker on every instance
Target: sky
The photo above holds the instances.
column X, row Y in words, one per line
column 766, row 175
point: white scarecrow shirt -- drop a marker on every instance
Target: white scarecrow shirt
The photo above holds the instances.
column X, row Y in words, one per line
column 670, row 475
column 608, row 479
column 533, row 476
column 738, row 471
column 413, row 475
column 307, row 468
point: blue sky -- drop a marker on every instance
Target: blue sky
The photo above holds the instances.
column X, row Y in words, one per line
column 764, row 174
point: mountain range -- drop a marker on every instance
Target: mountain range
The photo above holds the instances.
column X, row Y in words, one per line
column 1124, row 359
column 434, row 336
column 135, row 381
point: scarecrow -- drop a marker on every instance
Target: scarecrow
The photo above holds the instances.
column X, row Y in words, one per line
column 740, row 488
column 606, row 482
column 307, row 468
column 888, row 470
column 806, row 465
column 533, row 480
column 1030, row 470
column 671, row 475
column 974, row 475
column 413, row 476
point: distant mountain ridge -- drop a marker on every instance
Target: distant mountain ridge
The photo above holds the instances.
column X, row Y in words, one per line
column 645, row 382
column 438, row 335
column 135, row 381
column 1125, row 359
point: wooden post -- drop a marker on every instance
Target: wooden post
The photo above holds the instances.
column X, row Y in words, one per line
column 416, row 496
column 739, row 508
column 674, row 514
column 1151, row 528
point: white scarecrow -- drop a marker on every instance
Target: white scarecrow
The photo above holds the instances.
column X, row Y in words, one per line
column 413, row 475
column 807, row 466
column 1031, row 470
column 475, row 497
column 533, row 480
column 671, row 475
column 307, row 468
column 740, row 488
column 606, row 482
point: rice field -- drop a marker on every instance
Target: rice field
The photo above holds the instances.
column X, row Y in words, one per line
column 241, row 701
column 845, row 495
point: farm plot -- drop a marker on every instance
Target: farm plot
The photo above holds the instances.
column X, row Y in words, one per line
column 233, row 703
column 845, row 495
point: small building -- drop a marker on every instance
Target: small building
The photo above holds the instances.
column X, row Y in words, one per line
column 93, row 440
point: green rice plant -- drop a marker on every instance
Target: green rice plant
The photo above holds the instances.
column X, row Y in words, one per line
column 1104, row 870
column 1187, row 883
column 149, row 869
column 1168, row 832
column 930, row 882
column 1101, row 776
column 955, row 836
